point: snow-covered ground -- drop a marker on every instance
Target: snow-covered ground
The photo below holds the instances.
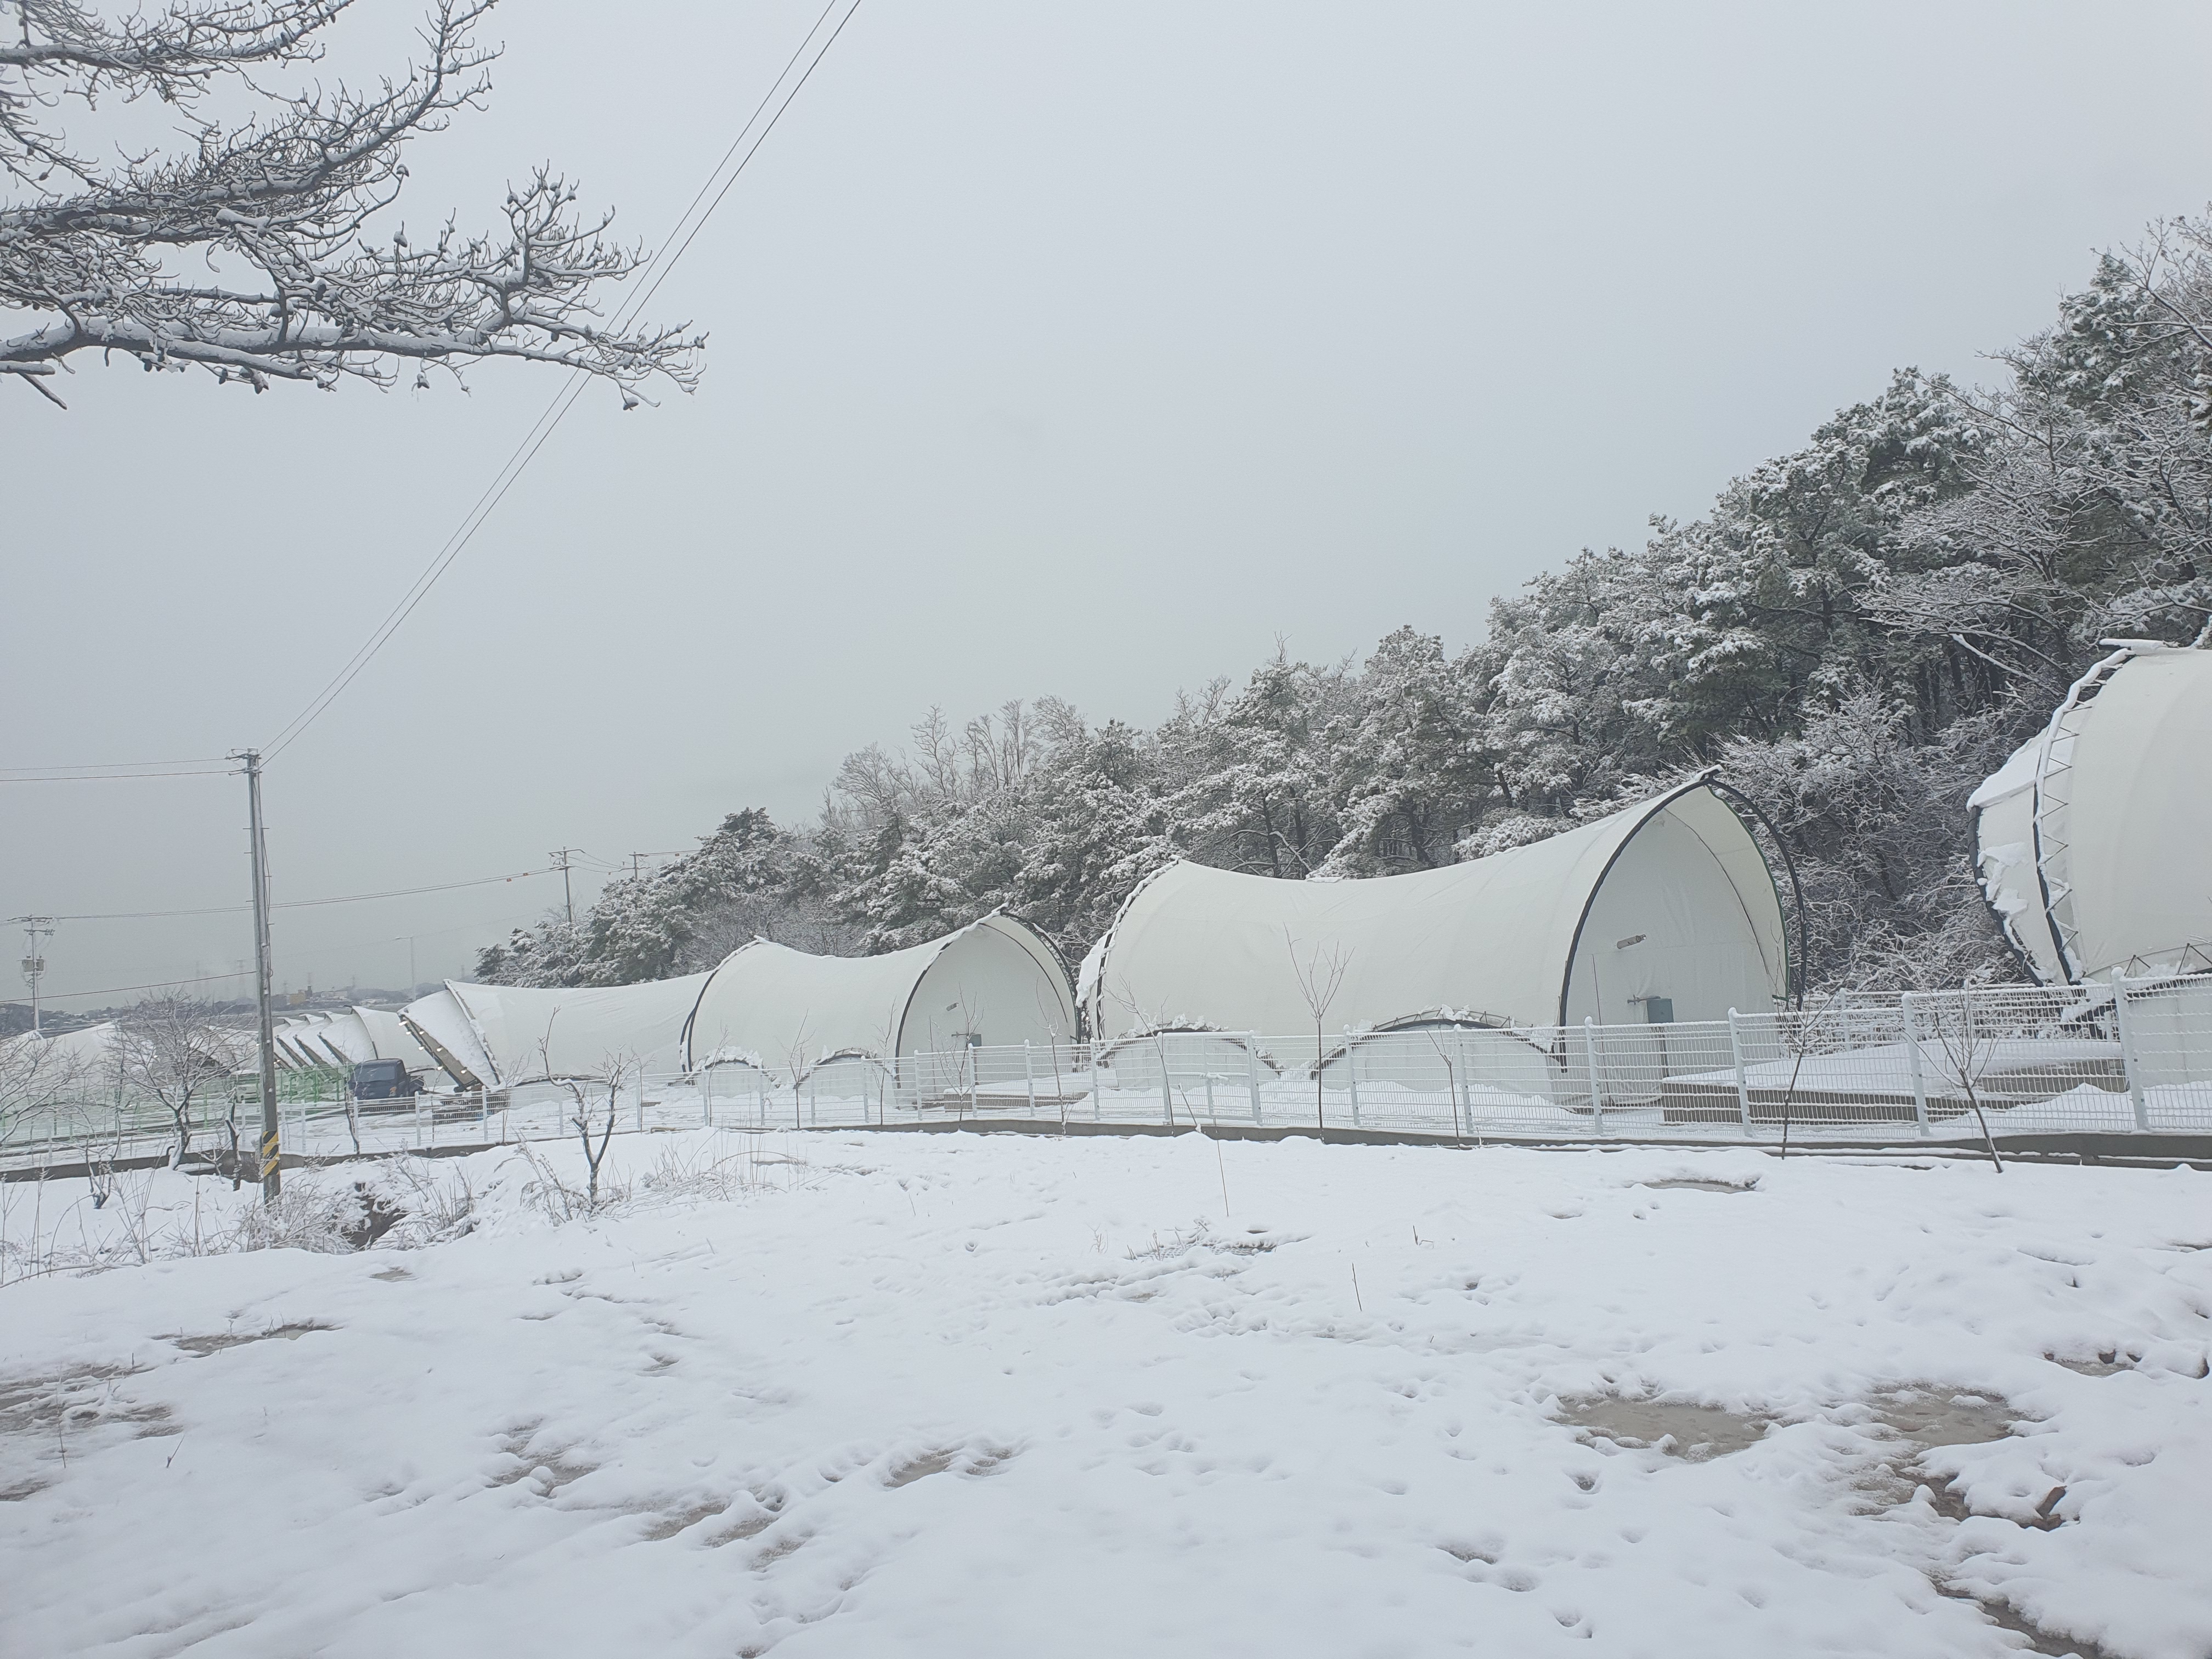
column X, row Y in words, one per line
column 862, row 1394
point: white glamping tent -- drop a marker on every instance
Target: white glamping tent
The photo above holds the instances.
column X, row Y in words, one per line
column 1665, row 911
column 2094, row 841
column 995, row 982
column 503, row 1035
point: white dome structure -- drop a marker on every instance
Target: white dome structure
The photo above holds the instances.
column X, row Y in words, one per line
column 995, row 982
column 1667, row 910
column 2093, row 842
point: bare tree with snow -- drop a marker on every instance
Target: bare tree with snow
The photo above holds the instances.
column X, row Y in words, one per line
column 35, row 1072
column 169, row 1049
column 260, row 252
column 1319, row 974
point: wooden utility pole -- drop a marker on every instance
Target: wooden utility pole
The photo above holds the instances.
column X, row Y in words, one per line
column 272, row 1180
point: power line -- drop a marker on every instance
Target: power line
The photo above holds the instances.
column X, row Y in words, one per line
column 156, row 985
column 113, row 777
column 116, row 766
column 302, row 904
column 556, row 410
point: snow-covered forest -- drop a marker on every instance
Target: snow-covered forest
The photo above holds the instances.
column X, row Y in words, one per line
column 1857, row 632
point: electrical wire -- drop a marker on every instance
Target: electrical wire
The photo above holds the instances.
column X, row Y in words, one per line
column 304, row 904
column 115, row 766
column 556, row 410
column 117, row 777
column 155, row 985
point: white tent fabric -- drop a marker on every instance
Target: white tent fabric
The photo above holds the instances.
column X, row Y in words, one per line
column 995, row 982
column 326, row 1037
column 77, row 1058
column 528, row 1033
column 390, row 1040
column 1670, row 900
column 2094, row 841
column 440, row 1029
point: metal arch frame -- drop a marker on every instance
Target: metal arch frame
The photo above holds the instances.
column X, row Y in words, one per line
column 2080, row 695
column 1658, row 804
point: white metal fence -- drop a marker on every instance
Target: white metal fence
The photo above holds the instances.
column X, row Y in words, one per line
column 2134, row 1059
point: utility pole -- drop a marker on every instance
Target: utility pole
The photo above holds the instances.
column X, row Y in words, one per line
column 35, row 959
column 271, row 1177
column 568, row 893
column 636, row 860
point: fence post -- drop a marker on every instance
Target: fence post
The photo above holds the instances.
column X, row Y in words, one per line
column 1252, row 1072
column 1167, row 1087
column 707, row 1096
column 1913, row 1058
column 1352, row 1075
column 1029, row 1075
column 2130, row 1066
column 1091, row 1061
column 1742, row 1084
column 641, row 1100
column 1597, row 1098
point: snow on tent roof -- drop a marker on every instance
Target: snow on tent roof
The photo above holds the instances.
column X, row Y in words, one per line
column 532, row 1032
column 995, row 982
column 73, row 1052
column 2094, row 840
column 1672, row 899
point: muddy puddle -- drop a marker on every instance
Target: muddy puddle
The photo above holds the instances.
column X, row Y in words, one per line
column 1689, row 1431
column 2109, row 1364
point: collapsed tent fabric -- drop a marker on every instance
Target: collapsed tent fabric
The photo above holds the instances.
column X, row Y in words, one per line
column 2094, row 840
column 325, row 1038
column 522, row 1034
column 389, row 1039
column 995, row 982
column 1667, row 910
column 439, row 1027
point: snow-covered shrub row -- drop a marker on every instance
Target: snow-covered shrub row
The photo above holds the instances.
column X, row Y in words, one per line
column 1857, row 632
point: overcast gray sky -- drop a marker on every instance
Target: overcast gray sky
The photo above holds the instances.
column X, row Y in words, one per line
column 1078, row 349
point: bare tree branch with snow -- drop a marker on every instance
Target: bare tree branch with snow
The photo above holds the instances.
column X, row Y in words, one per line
column 255, row 255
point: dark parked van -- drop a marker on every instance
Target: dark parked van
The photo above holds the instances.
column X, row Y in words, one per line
column 383, row 1080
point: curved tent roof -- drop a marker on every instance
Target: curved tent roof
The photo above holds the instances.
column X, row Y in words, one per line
column 1672, row 899
column 995, row 982
column 389, row 1039
column 439, row 1028
column 2094, row 841
column 530, row 1032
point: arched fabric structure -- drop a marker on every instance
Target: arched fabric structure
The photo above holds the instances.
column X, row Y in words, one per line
column 328, row 1038
column 437, row 1027
column 526, row 1033
column 2094, row 841
column 1669, row 902
column 995, row 982
column 391, row 1040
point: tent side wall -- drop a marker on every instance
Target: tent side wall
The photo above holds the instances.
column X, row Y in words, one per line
column 995, row 983
column 1685, row 912
column 2005, row 861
